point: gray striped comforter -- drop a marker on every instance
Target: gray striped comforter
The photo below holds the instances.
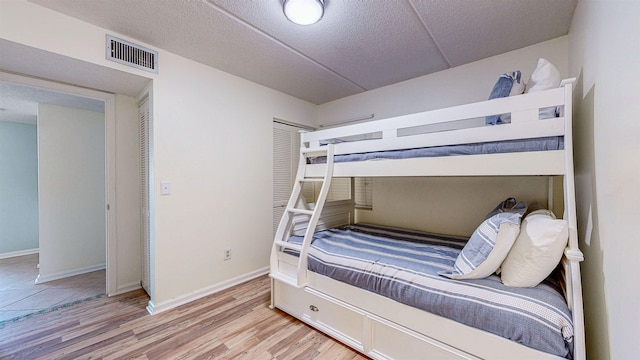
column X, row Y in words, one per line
column 403, row 265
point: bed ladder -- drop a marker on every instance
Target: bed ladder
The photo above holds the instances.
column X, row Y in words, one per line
column 286, row 222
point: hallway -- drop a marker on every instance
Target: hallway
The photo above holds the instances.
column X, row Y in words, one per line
column 20, row 296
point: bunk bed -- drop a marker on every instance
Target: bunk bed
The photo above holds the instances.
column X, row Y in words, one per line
column 334, row 274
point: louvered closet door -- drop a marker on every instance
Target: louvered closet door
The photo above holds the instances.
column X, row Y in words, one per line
column 143, row 116
column 286, row 153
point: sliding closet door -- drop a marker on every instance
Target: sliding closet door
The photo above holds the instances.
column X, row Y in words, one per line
column 286, row 153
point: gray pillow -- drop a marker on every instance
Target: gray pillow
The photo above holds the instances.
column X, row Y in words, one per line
column 502, row 88
column 508, row 205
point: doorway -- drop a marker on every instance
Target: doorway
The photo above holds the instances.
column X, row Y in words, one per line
column 53, row 265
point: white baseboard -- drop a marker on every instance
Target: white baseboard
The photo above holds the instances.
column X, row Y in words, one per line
column 168, row 305
column 19, row 253
column 151, row 308
column 65, row 274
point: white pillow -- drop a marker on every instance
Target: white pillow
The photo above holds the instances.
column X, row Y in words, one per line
column 546, row 76
column 537, row 250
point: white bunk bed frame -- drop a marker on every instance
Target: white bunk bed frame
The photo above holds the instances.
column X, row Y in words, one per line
column 383, row 328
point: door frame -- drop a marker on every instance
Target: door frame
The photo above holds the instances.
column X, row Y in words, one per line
column 110, row 157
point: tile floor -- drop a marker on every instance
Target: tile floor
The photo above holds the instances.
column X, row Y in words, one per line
column 20, row 296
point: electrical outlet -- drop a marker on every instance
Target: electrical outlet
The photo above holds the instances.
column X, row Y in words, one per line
column 227, row 253
column 165, row 187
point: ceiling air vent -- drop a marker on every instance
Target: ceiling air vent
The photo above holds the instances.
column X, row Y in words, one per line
column 127, row 53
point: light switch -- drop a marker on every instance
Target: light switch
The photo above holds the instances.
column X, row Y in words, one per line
column 165, row 187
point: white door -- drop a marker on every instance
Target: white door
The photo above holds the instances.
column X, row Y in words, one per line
column 71, row 191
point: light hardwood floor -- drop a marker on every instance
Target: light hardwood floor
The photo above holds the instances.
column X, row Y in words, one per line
column 233, row 324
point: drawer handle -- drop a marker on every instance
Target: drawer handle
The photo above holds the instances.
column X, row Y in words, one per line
column 313, row 308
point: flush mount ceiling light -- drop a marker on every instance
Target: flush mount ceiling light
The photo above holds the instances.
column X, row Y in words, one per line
column 303, row 12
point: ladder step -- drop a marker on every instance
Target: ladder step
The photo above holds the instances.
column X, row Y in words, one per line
column 289, row 245
column 300, row 211
column 285, row 279
column 311, row 180
column 314, row 150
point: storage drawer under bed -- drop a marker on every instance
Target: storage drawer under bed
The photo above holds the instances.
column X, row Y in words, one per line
column 392, row 341
column 341, row 321
column 365, row 332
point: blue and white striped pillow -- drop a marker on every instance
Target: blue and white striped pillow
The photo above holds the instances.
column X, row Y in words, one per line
column 503, row 88
column 489, row 245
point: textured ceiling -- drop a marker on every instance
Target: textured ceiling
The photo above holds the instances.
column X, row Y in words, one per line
column 357, row 46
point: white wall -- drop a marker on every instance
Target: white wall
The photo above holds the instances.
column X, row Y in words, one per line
column 604, row 51
column 71, row 189
column 18, row 188
column 213, row 141
column 426, row 203
column 455, row 86
column 200, row 115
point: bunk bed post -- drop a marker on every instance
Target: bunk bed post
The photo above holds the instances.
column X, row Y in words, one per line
column 573, row 254
column 352, row 198
column 550, row 193
column 272, row 304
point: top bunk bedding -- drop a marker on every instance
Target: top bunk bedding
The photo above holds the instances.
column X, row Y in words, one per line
column 405, row 265
column 530, row 135
column 491, row 147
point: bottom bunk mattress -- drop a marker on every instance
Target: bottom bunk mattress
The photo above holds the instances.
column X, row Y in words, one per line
column 403, row 265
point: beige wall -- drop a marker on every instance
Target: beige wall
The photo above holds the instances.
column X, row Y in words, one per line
column 446, row 205
column 71, row 191
column 460, row 85
column 604, row 53
column 200, row 115
column 212, row 135
column 18, row 189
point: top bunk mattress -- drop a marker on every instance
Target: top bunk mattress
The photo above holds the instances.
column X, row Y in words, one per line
column 403, row 265
column 492, row 147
